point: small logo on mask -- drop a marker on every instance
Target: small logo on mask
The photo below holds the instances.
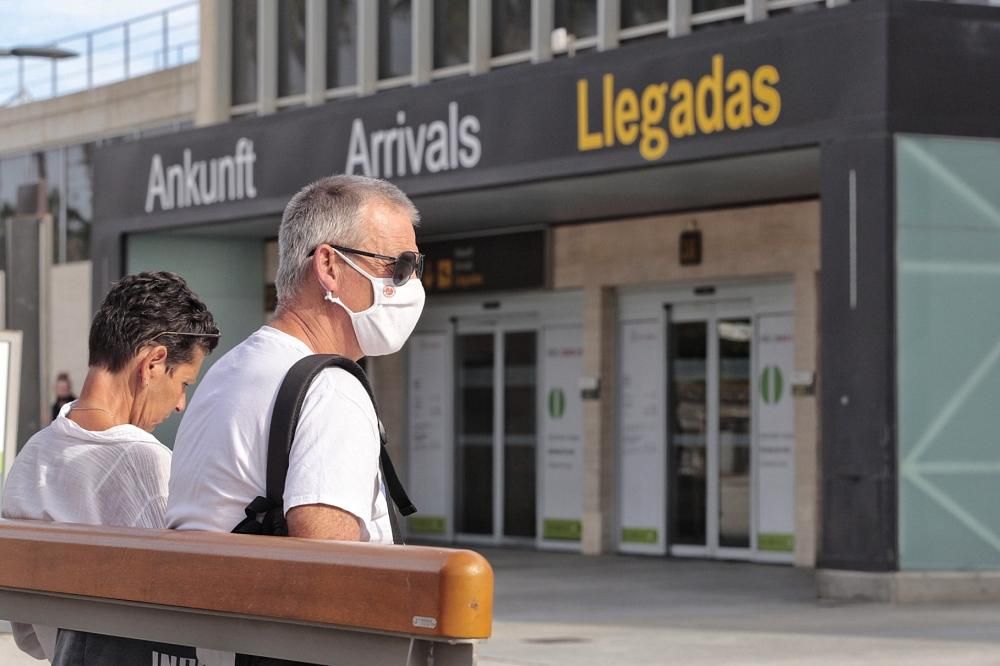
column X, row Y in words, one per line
column 389, row 292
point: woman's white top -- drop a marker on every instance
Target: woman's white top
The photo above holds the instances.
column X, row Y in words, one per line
column 115, row 477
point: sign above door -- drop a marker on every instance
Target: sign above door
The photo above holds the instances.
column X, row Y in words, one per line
column 486, row 263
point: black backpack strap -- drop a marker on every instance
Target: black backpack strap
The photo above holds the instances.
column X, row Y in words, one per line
column 397, row 535
column 285, row 415
column 285, row 418
column 398, row 499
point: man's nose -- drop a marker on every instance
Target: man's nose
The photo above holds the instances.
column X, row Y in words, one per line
column 181, row 403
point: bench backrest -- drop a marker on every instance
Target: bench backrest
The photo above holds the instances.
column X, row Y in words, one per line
column 437, row 593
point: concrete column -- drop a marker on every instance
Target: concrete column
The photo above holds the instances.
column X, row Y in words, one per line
column 608, row 24
column 542, row 20
column 315, row 52
column 29, row 265
column 367, row 47
column 422, row 41
column 857, row 387
column 679, row 15
column 480, row 42
column 600, row 311
column 214, row 62
column 756, row 10
column 267, row 56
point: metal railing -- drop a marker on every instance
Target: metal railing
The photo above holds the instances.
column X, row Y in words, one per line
column 675, row 18
column 117, row 52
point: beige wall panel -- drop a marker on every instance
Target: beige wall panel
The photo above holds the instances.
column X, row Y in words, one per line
column 69, row 324
column 270, row 261
column 781, row 239
column 599, row 325
column 807, row 490
column 388, row 377
column 807, row 438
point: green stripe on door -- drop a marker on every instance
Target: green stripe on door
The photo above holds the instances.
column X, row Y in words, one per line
column 427, row 524
column 557, row 403
column 772, row 384
column 639, row 535
column 565, row 530
column 776, row 543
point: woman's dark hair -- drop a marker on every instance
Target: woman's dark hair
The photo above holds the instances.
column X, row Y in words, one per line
column 145, row 306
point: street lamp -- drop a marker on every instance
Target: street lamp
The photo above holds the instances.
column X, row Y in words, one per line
column 21, row 52
column 51, row 52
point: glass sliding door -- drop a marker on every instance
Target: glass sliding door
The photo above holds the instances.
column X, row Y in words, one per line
column 520, row 432
column 474, row 388
column 705, row 422
column 687, row 364
column 735, row 337
column 709, row 430
column 496, row 407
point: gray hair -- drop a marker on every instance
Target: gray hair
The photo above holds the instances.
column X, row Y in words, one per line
column 330, row 210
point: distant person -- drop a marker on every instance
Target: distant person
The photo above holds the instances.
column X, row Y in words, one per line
column 97, row 463
column 64, row 393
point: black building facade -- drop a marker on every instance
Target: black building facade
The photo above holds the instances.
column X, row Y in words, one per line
column 709, row 132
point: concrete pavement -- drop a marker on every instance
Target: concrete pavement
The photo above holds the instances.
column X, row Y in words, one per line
column 9, row 654
column 567, row 609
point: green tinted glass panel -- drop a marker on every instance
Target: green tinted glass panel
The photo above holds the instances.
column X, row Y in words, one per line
column 948, row 328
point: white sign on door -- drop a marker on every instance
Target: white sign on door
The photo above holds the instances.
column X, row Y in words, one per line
column 562, row 446
column 431, row 423
column 10, row 392
column 775, row 435
column 641, row 437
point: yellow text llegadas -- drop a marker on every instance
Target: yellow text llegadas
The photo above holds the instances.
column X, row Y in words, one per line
column 663, row 111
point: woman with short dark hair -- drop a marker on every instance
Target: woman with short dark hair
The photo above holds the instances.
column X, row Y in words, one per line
column 97, row 463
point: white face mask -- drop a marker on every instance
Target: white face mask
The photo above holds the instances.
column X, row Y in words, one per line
column 385, row 326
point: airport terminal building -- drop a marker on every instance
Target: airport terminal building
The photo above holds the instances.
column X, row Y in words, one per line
column 700, row 284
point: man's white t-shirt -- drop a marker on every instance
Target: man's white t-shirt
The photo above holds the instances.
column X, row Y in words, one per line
column 220, row 453
column 115, row 477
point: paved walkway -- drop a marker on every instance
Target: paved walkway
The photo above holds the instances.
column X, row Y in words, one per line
column 566, row 609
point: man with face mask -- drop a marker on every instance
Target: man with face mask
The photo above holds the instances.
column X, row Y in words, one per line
column 348, row 283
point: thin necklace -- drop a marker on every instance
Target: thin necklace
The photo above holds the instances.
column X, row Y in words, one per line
column 92, row 409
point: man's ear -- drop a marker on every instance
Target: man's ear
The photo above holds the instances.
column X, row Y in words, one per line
column 326, row 267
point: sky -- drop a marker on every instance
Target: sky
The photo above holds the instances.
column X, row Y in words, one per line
column 27, row 22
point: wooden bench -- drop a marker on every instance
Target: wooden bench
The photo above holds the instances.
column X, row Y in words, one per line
column 320, row 602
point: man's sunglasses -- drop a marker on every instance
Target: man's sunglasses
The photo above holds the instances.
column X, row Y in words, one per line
column 408, row 264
